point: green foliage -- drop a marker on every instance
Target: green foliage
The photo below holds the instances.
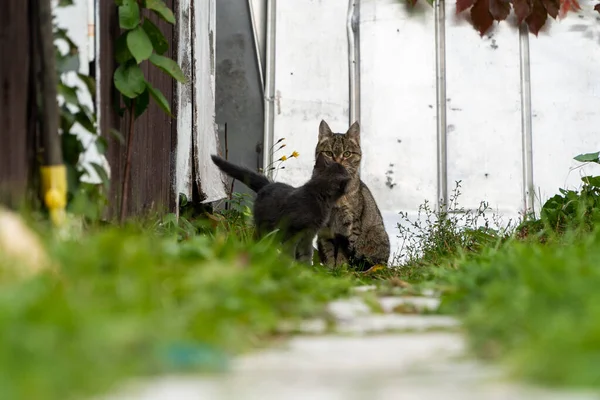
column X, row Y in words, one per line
column 133, row 302
column 83, row 198
column 534, row 306
column 568, row 210
column 142, row 41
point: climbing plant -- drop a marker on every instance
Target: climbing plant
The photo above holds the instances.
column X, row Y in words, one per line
column 141, row 41
column 84, row 198
column 534, row 13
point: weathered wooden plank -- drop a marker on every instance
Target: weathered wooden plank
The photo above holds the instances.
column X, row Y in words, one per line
column 150, row 186
column 184, row 105
column 14, row 77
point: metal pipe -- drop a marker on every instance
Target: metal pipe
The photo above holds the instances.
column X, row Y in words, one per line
column 269, row 120
column 353, row 33
column 440, row 75
column 526, row 128
column 256, row 46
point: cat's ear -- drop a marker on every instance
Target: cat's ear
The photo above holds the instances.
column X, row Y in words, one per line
column 354, row 132
column 324, row 130
column 321, row 162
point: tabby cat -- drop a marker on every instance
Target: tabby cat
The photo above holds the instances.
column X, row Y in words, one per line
column 355, row 233
column 299, row 213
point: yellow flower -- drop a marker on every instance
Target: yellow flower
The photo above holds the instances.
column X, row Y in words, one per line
column 294, row 154
column 283, row 158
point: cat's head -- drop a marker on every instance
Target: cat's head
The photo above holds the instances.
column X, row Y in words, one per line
column 341, row 148
column 331, row 177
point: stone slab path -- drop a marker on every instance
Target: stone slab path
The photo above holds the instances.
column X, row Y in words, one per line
column 371, row 356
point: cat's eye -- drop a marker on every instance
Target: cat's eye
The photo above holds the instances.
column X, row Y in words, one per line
column 346, row 154
column 328, row 153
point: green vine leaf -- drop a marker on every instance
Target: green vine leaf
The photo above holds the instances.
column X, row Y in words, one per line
column 68, row 93
column 161, row 9
column 89, row 82
column 72, row 179
column 591, row 180
column 139, row 44
column 72, row 148
column 101, row 145
column 102, row 174
column 141, row 103
column 129, row 80
column 169, row 66
column 122, row 53
column 588, row 157
column 158, row 40
column 159, row 98
column 129, row 14
column 67, row 120
column 117, row 135
column 67, row 63
column 84, row 120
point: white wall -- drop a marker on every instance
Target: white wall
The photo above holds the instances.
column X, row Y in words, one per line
column 311, row 79
column 398, row 101
column 565, row 100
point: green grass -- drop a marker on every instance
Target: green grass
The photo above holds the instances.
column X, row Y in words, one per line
column 529, row 297
column 131, row 302
column 168, row 295
column 534, row 306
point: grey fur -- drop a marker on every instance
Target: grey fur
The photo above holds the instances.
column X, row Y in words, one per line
column 299, row 213
column 355, row 233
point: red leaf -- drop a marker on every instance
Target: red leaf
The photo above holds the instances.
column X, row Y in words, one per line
column 522, row 9
column 568, row 5
column 480, row 14
column 412, row 2
column 552, row 6
column 462, row 5
column 597, row 7
column 537, row 18
column 499, row 9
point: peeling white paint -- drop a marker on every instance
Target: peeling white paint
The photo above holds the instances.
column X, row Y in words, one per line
column 183, row 156
column 196, row 129
column 206, row 140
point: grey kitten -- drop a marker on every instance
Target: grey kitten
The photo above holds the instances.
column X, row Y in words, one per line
column 299, row 213
column 355, row 233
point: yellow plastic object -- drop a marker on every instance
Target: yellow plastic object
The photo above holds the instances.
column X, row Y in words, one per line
column 54, row 191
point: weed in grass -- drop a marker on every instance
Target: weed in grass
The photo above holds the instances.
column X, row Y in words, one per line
column 439, row 235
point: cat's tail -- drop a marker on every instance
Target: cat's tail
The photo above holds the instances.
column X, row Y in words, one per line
column 253, row 180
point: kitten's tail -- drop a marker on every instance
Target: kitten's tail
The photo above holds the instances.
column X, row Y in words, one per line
column 253, row 180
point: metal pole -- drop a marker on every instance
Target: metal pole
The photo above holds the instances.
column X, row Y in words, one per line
column 353, row 32
column 527, row 147
column 269, row 89
column 440, row 75
column 256, row 46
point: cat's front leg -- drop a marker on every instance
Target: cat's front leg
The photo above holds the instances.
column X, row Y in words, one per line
column 326, row 250
column 304, row 250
